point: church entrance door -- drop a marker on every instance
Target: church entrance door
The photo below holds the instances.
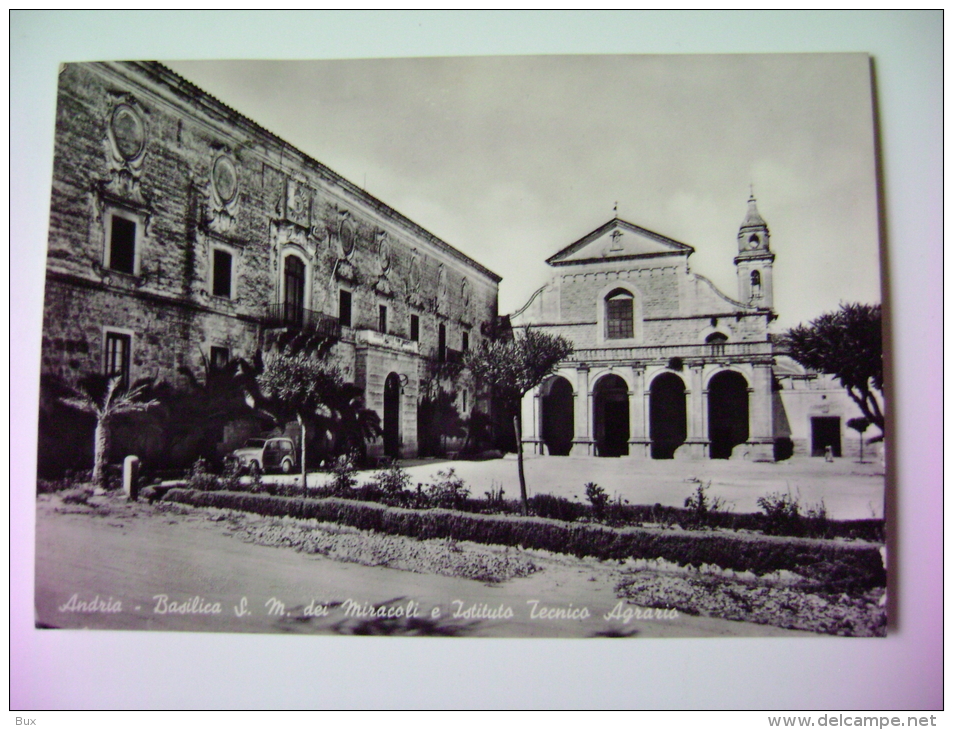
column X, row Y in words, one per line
column 668, row 424
column 727, row 413
column 611, row 396
column 558, row 426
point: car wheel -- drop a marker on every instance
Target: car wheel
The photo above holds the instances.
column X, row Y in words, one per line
column 254, row 468
column 286, row 466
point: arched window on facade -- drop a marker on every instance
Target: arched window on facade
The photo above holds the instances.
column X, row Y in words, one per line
column 619, row 310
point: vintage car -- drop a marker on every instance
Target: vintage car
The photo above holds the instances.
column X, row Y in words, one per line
column 274, row 454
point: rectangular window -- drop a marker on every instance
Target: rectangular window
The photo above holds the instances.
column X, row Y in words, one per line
column 344, row 308
column 118, row 346
column 219, row 359
column 382, row 319
column 619, row 318
column 415, row 328
column 122, row 245
column 466, row 341
column 221, row 273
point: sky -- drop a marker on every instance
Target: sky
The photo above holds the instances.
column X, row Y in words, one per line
column 510, row 159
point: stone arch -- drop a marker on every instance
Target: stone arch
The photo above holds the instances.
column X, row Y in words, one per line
column 557, row 418
column 611, row 415
column 391, row 425
column 668, row 414
column 727, row 412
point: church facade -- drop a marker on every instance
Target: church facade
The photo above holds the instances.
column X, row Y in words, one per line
column 182, row 233
column 666, row 365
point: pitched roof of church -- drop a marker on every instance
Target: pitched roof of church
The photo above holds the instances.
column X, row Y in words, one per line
column 618, row 239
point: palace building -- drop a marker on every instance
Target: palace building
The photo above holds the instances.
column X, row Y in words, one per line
column 667, row 366
column 181, row 232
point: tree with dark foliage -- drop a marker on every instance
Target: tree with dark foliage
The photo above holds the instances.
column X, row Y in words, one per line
column 513, row 367
column 106, row 399
column 859, row 425
column 297, row 386
column 847, row 344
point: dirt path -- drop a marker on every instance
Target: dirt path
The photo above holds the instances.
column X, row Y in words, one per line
column 117, row 565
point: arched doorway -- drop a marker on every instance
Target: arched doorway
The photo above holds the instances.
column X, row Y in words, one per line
column 727, row 413
column 392, row 416
column 668, row 425
column 558, row 426
column 611, row 396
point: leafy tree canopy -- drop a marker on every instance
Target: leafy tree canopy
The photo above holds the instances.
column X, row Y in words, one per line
column 513, row 367
column 847, row 344
column 298, row 383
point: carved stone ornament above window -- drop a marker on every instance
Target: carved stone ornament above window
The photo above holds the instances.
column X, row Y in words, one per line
column 345, row 271
column 126, row 144
column 383, row 287
column 347, row 236
column 223, row 195
column 225, row 179
column 298, row 203
column 128, row 132
column 383, row 250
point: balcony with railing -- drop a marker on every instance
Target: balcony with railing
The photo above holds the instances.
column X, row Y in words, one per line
column 714, row 350
column 285, row 316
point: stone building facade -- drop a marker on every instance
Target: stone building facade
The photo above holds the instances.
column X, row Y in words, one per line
column 181, row 231
column 665, row 365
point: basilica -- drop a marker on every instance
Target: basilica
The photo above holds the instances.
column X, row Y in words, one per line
column 667, row 366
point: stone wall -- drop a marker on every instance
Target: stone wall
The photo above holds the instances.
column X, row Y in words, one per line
column 135, row 142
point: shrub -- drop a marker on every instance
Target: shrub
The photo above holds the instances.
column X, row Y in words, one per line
column 598, row 499
column 391, row 481
column 841, row 566
column 701, row 506
column 557, row 508
column 783, row 513
column 232, row 476
column 77, row 495
column 345, row 468
column 449, row 491
column 200, row 478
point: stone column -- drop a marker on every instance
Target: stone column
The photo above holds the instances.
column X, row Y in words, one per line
column 647, row 419
column 761, row 415
column 530, row 416
column 693, row 448
column 697, row 421
column 582, row 438
column 638, row 426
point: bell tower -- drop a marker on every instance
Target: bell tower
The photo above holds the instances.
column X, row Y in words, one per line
column 755, row 261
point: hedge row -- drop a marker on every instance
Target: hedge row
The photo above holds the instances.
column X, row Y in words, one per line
column 838, row 565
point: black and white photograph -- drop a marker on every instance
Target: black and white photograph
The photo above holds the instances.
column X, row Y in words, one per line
column 582, row 346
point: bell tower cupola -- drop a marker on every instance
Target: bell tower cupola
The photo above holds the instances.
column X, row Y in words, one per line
column 755, row 261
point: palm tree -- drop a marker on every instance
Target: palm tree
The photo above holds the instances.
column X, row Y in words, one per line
column 112, row 402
